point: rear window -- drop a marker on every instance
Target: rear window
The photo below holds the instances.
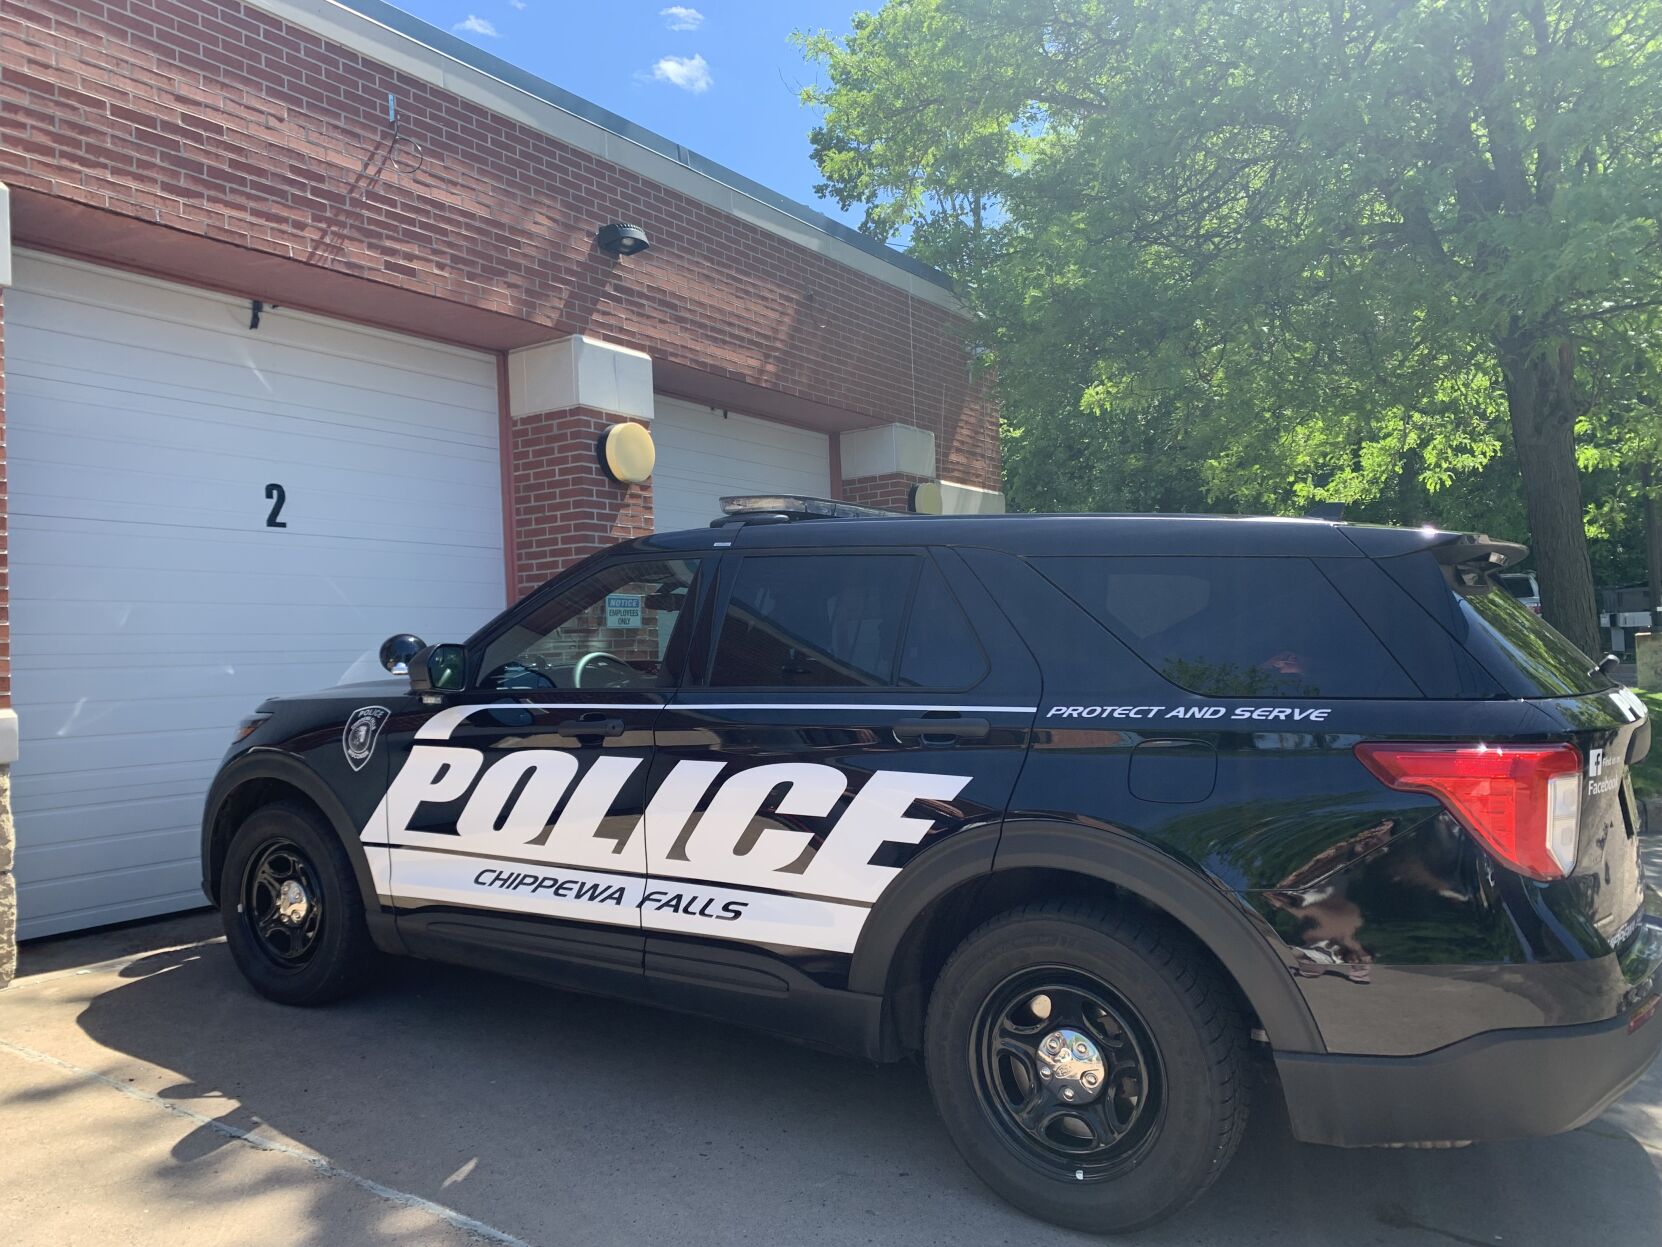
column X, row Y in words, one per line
column 1503, row 630
column 1234, row 627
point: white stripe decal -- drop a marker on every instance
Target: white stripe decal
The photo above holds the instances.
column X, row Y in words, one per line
column 446, row 721
column 788, row 705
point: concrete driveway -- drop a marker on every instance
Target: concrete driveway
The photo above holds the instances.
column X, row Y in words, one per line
column 152, row 1098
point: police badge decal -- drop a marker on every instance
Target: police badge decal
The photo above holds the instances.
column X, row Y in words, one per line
column 362, row 729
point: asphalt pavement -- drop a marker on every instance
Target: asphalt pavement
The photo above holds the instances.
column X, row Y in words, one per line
column 148, row 1097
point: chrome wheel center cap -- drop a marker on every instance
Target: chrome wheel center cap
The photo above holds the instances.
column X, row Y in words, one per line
column 1071, row 1066
column 292, row 903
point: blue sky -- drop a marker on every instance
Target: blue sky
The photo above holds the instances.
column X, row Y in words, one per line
column 718, row 76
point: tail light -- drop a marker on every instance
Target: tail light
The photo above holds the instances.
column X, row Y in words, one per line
column 1522, row 801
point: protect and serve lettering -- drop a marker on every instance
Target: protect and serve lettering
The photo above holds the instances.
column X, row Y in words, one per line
column 1294, row 714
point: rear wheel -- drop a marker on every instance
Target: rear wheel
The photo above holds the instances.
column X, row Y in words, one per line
column 290, row 906
column 1088, row 1064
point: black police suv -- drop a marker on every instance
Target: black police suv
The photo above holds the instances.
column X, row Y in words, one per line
column 1085, row 811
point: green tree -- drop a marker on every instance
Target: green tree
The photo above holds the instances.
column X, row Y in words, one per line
column 1319, row 246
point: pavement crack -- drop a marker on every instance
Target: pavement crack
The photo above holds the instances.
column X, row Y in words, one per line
column 1398, row 1218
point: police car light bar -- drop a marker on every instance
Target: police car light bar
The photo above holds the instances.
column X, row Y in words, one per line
column 797, row 505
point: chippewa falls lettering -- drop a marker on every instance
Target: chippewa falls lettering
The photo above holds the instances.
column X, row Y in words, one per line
column 508, row 812
column 688, row 904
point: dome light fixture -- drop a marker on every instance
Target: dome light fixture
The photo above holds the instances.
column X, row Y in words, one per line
column 627, row 454
column 621, row 240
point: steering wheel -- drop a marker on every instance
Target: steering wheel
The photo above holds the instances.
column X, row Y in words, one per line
column 594, row 656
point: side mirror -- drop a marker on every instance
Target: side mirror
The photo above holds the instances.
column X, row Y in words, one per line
column 1608, row 664
column 396, row 652
column 439, row 669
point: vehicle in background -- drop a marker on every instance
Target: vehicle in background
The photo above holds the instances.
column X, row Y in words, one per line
column 1523, row 586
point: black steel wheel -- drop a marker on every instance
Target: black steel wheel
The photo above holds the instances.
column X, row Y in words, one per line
column 1068, row 1072
column 282, row 904
column 1088, row 1061
column 292, row 907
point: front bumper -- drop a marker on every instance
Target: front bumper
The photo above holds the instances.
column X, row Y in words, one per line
column 1507, row 1084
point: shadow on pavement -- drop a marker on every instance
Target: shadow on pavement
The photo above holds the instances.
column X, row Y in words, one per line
column 570, row 1119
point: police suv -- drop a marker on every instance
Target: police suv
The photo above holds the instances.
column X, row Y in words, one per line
column 1087, row 812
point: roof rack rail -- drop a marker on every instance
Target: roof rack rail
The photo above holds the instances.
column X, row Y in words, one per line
column 742, row 507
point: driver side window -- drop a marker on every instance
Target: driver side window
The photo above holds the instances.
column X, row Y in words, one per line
column 622, row 627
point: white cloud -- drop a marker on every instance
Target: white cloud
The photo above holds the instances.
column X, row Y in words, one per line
column 476, row 26
column 680, row 17
column 690, row 73
column 518, row 4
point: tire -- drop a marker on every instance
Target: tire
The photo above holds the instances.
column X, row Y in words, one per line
column 1160, row 1031
column 320, row 950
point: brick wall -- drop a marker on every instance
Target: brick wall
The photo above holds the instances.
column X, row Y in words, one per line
column 565, row 507
column 219, row 120
column 892, row 491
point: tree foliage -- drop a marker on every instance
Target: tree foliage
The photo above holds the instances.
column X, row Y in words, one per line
column 1261, row 253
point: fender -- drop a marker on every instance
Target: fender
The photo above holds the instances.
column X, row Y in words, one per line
column 275, row 764
column 1241, row 942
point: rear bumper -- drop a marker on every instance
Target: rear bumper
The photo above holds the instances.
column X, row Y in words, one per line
column 1508, row 1084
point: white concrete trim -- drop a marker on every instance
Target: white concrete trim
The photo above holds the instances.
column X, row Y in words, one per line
column 970, row 500
column 5, row 236
column 579, row 372
column 8, row 736
column 398, row 51
column 886, row 449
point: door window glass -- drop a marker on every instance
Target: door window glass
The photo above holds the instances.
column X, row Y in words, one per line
column 814, row 621
column 622, row 627
column 940, row 650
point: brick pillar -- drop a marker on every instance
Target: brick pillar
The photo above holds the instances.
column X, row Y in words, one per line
column 564, row 507
column 562, row 396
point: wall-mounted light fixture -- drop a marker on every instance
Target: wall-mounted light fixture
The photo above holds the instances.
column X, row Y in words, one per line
column 924, row 498
column 627, row 454
column 621, row 240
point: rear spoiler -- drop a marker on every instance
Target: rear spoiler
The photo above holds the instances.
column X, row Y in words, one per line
column 1473, row 556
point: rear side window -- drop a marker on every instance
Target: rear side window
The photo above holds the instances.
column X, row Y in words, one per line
column 1528, row 656
column 1234, row 627
column 1503, row 629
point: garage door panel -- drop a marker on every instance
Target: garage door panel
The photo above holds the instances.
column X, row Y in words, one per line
column 152, row 605
column 184, row 487
column 273, row 430
column 292, row 354
column 160, row 830
column 705, row 455
column 51, row 791
column 219, row 623
column 121, row 895
column 444, row 571
column 134, row 584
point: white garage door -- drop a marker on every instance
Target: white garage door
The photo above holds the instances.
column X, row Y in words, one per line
column 203, row 515
column 704, row 455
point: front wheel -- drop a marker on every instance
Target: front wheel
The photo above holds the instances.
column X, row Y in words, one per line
column 1088, row 1063
column 291, row 909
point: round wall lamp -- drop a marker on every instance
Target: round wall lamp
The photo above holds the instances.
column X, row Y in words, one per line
column 627, row 454
column 621, row 240
column 924, row 498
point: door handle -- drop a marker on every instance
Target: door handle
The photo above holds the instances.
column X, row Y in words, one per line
column 942, row 731
column 591, row 727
